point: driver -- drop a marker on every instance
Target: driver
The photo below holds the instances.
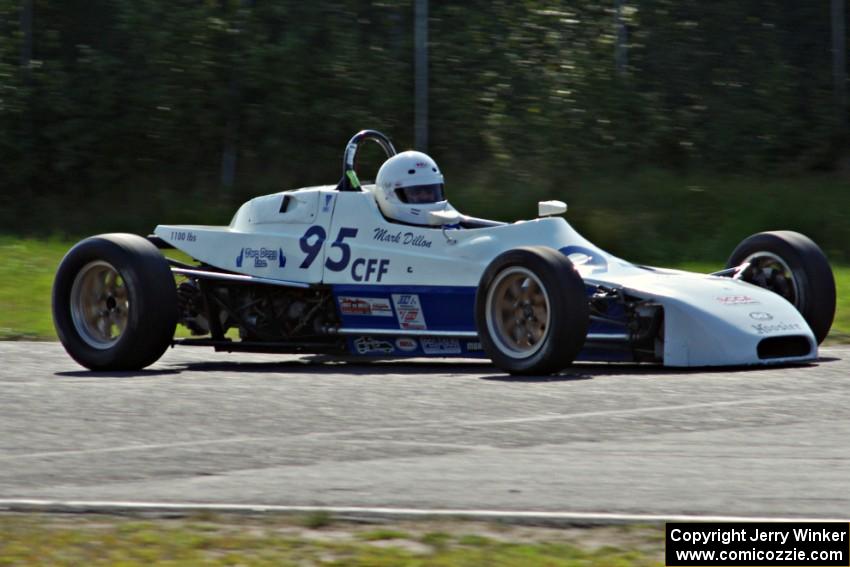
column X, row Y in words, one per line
column 408, row 187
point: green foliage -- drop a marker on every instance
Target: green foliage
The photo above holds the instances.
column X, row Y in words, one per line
column 383, row 534
column 474, row 540
column 127, row 105
column 316, row 520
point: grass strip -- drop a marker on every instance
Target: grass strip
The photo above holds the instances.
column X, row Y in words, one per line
column 44, row 539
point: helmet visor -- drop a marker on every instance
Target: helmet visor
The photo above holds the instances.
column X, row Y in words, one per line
column 418, row 194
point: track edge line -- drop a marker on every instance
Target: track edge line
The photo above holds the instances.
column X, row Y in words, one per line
column 355, row 513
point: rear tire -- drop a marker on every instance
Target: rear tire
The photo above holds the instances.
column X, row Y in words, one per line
column 531, row 311
column 793, row 266
column 115, row 302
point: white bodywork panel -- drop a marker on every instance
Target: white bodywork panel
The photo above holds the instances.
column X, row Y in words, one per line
column 331, row 237
column 261, row 240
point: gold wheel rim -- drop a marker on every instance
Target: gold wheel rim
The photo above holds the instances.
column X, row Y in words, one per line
column 518, row 312
column 100, row 304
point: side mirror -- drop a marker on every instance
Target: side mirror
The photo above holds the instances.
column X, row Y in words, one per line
column 444, row 217
column 549, row 208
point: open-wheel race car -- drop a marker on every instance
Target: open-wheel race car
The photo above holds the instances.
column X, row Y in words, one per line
column 393, row 270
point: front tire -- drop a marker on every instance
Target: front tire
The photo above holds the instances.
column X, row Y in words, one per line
column 531, row 311
column 114, row 303
column 793, row 266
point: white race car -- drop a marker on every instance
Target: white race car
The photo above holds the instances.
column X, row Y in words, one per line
column 324, row 270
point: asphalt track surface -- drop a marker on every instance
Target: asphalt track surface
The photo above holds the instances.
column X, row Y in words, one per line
column 206, row 427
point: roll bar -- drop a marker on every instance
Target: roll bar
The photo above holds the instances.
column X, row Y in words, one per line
column 350, row 181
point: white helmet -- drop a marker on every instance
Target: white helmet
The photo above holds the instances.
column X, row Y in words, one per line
column 408, row 187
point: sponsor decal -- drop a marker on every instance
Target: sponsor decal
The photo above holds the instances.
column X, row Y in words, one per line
column 375, row 306
column 474, row 347
column 403, row 238
column 736, row 300
column 409, row 311
column 368, row 345
column 761, row 316
column 327, row 206
column 260, row 257
column 776, row 328
column 406, row 344
column 432, row 345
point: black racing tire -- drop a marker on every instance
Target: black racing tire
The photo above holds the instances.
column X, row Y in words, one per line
column 812, row 285
column 115, row 284
column 513, row 292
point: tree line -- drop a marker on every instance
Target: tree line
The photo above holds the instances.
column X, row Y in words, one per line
column 233, row 97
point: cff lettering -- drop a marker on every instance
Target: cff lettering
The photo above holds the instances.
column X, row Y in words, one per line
column 369, row 269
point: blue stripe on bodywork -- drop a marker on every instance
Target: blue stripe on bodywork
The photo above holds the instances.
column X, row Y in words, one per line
column 445, row 308
column 408, row 347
